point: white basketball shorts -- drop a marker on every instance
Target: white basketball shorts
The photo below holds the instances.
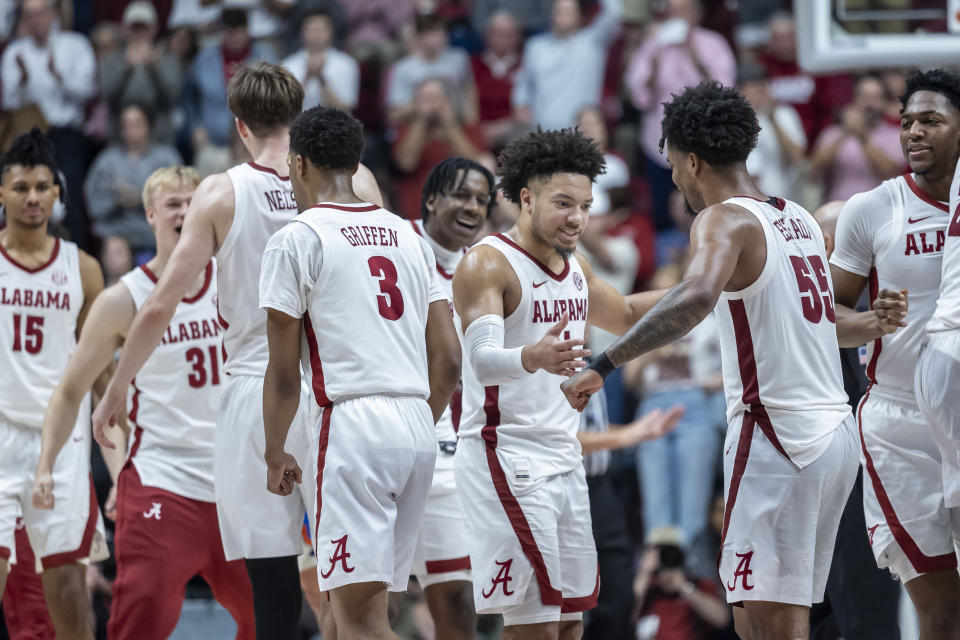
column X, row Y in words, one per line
column 375, row 467
column 780, row 522
column 73, row 530
column 441, row 552
column 937, row 383
column 910, row 529
column 255, row 523
column 532, row 551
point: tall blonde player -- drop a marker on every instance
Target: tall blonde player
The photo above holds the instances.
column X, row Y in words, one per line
column 46, row 288
column 167, row 528
column 232, row 216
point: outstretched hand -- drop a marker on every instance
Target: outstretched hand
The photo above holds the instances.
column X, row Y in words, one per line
column 553, row 354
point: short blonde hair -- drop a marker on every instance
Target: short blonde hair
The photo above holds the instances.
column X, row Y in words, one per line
column 168, row 177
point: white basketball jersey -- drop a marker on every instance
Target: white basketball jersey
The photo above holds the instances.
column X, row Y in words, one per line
column 894, row 235
column 38, row 324
column 447, row 262
column 528, row 421
column 264, row 204
column 362, row 280
column 778, row 337
column 947, row 314
column 174, row 398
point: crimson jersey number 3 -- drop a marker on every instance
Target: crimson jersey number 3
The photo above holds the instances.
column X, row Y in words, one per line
column 389, row 300
column 816, row 299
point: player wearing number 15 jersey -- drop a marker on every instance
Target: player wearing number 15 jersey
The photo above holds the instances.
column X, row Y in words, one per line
column 167, row 529
column 790, row 456
column 351, row 292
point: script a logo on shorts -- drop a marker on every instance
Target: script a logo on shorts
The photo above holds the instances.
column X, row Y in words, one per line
column 743, row 570
column 154, row 511
column 871, row 531
column 502, row 578
column 339, row 555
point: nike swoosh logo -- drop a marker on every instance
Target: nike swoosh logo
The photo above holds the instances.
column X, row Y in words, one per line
column 539, row 284
column 912, row 221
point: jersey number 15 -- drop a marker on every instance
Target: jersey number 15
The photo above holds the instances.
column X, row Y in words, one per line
column 27, row 333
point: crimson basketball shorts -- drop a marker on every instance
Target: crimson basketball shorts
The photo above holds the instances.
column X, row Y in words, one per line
column 441, row 551
column 910, row 529
column 375, row 466
column 937, row 382
column 780, row 522
column 531, row 544
column 255, row 523
column 70, row 532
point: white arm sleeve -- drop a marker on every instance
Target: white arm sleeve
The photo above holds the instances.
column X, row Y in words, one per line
column 492, row 364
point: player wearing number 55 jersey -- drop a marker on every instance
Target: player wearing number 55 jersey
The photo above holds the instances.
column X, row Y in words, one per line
column 167, row 528
column 790, row 456
column 46, row 288
column 351, row 292
column 892, row 238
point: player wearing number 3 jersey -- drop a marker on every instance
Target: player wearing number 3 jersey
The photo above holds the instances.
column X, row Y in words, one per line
column 790, row 456
column 351, row 293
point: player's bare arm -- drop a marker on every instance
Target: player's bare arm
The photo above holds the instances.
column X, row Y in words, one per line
column 855, row 328
column 609, row 309
column 205, row 226
column 92, row 280
column 365, row 186
column 281, row 397
column 717, row 240
column 485, row 288
column 108, row 319
column 443, row 357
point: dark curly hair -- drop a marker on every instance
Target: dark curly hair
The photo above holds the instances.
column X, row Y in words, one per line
column 329, row 138
column 31, row 149
column 712, row 121
column 443, row 179
column 942, row 81
column 541, row 154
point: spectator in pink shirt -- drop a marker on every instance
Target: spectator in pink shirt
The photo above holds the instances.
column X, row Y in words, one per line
column 864, row 149
column 677, row 54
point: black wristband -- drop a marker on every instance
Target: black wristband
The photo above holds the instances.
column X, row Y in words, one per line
column 602, row 365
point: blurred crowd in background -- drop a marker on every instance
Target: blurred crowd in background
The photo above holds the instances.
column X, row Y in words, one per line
column 124, row 88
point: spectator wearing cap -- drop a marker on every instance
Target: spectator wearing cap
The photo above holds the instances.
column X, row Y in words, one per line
column 329, row 76
column 494, row 70
column 142, row 73
column 113, row 187
column 431, row 57
column 205, row 92
column 55, row 70
column 679, row 53
column 562, row 70
column 778, row 159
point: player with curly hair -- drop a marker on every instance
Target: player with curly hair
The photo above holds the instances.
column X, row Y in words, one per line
column 522, row 298
column 790, row 456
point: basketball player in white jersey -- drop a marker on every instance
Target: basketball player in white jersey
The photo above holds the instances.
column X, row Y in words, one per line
column 523, row 299
column 167, row 528
column 351, row 293
column 455, row 202
column 232, row 216
column 46, row 288
column 892, row 237
column 790, row 456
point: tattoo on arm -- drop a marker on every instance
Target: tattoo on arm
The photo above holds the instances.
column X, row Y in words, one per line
column 679, row 311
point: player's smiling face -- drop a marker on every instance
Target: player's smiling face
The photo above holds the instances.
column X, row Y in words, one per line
column 930, row 134
column 167, row 213
column 457, row 215
column 560, row 207
column 28, row 195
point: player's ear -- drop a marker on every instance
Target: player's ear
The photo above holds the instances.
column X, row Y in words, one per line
column 693, row 163
column 526, row 197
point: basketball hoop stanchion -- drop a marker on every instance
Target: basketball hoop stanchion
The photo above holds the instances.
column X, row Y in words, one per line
column 824, row 46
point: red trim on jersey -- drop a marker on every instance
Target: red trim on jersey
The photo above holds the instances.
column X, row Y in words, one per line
column 446, row 566
column 83, row 551
column 316, row 366
column 349, row 208
column 207, row 277
column 260, row 167
column 556, row 276
column 774, row 201
column 583, row 603
column 739, row 466
column 878, row 343
column 548, row 595
column 53, row 256
column 321, row 462
column 748, row 374
column 440, row 270
column 134, row 407
column 923, row 195
column 921, row 563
